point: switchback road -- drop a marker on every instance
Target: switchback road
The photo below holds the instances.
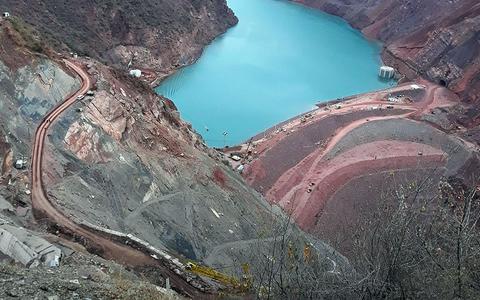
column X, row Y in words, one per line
column 108, row 249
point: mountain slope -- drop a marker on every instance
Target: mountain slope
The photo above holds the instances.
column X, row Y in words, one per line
column 123, row 159
column 154, row 34
column 436, row 39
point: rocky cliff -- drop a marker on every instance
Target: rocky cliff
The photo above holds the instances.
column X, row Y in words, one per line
column 439, row 40
column 158, row 35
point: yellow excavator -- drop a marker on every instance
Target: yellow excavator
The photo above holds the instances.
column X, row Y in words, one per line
column 245, row 284
column 242, row 285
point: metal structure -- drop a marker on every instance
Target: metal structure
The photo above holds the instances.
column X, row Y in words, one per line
column 386, row 72
column 242, row 285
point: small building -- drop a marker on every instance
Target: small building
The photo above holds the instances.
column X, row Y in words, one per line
column 20, row 164
column 236, row 158
column 6, row 14
column 240, row 168
column 135, row 73
column 386, row 72
column 28, row 249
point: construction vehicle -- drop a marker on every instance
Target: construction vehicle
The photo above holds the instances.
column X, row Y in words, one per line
column 307, row 252
column 229, row 281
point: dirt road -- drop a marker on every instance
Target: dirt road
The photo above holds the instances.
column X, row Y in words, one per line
column 301, row 163
column 107, row 248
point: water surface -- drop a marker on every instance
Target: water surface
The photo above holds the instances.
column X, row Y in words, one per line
column 279, row 61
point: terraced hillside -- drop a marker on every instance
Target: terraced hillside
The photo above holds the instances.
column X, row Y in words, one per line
column 315, row 165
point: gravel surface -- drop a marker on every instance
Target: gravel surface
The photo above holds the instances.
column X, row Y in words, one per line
column 79, row 277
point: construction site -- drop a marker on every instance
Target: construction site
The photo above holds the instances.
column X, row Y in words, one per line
column 314, row 165
column 113, row 168
column 107, row 193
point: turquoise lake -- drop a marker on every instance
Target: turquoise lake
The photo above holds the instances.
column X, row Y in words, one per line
column 279, row 61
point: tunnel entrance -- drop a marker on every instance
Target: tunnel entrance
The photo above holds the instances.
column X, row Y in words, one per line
column 442, row 82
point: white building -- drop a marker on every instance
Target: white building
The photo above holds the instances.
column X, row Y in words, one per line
column 20, row 164
column 135, row 73
column 26, row 248
column 386, row 72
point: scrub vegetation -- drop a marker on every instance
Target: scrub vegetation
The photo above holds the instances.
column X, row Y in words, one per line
column 121, row 160
column 27, row 36
column 416, row 247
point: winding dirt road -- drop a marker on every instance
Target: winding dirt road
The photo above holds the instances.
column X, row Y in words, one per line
column 107, row 248
column 298, row 165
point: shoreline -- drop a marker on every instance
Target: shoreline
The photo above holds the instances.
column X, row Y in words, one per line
column 162, row 76
column 405, row 67
column 319, row 105
column 407, row 72
column 194, row 59
column 295, row 165
column 294, row 121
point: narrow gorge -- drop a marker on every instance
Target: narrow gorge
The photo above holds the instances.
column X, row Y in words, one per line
column 325, row 182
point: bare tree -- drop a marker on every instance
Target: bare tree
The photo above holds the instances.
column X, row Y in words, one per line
column 421, row 242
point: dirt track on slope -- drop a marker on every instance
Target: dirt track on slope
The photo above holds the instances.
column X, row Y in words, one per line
column 44, row 209
column 328, row 176
column 300, row 165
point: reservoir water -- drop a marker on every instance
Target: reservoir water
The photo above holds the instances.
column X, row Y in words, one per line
column 279, row 61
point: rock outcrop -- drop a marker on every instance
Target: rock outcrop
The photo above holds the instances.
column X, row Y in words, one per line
column 152, row 34
column 142, row 170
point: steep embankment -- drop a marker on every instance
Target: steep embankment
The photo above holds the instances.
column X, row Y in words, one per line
column 123, row 159
column 30, row 86
column 150, row 34
column 333, row 166
column 436, row 39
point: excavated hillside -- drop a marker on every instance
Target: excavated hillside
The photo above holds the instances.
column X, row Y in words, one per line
column 123, row 159
column 439, row 40
column 152, row 34
column 332, row 167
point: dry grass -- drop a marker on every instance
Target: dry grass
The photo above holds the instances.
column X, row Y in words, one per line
column 27, row 36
